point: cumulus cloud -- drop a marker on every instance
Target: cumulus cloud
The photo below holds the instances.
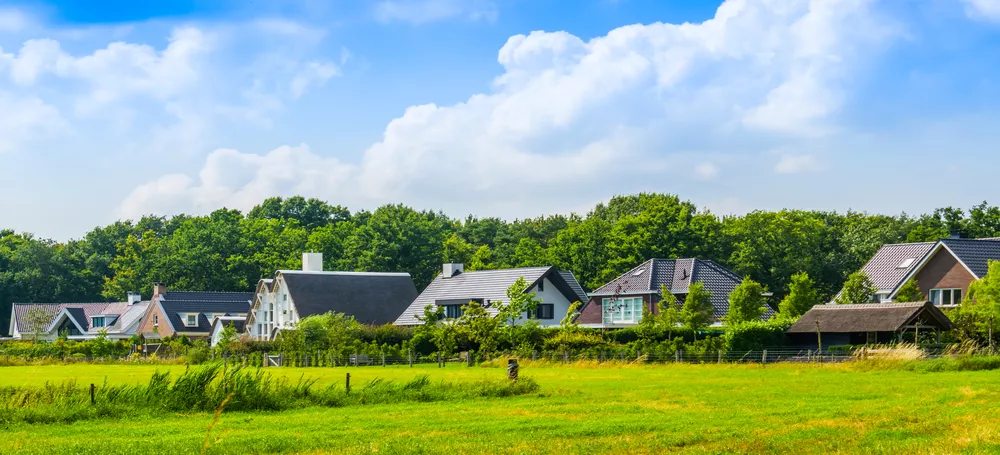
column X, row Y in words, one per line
column 23, row 119
column 421, row 11
column 988, row 10
column 567, row 113
column 794, row 164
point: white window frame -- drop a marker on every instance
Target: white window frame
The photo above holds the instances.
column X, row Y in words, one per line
column 93, row 321
column 156, row 320
column 187, row 320
column 626, row 310
column 941, row 293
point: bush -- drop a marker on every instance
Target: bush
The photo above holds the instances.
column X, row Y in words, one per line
column 752, row 335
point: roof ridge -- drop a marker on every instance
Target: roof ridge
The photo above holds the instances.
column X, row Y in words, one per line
column 213, row 292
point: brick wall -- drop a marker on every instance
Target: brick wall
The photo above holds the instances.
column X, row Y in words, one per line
column 943, row 271
column 154, row 314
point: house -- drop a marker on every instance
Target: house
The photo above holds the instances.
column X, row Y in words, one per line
column 370, row 297
column 871, row 323
column 943, row 270
column 79, row 321
column 220, row 323
column 455, row 288
column 190, row 313
column 620, row 303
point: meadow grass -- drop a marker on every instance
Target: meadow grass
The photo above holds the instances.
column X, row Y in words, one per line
column 634, row 409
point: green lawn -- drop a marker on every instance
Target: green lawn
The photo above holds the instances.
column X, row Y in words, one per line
column 633, row 410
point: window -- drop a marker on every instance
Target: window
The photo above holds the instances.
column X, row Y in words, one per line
column 156, row 320
column 192, row 320
column 626, row 310
column 638, row 272
column 98, row 321
column 946, row 296
column 541, row 285
column 453, row 311
column 906, row 263
column 543, row 311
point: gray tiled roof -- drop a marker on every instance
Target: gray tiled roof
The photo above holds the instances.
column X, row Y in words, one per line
column 677, row 275
column 228, row 303
column 883, row 268
column 127, row 315
column 488, row 285
column 975, row 253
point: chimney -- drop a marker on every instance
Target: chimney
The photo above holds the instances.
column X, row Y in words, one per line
column 451, row 269
column 312, row 262
column 159, row 289
column 134, row 298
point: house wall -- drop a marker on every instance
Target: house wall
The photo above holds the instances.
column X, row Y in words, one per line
column 273, row 309
column 944, row 271
column 593, row 312
column 147, row 325
column 560, row 304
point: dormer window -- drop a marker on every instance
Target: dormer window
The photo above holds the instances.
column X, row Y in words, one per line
column 97, row 321
column 192, row 320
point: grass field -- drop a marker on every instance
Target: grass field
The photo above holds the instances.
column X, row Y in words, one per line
column 629, row 409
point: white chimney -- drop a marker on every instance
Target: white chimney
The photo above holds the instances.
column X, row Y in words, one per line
column 312, row 262
column 134, row 298
column 451, row 269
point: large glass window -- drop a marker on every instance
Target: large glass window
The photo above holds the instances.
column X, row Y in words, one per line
column 98, row 321
column 543, row 311
column 453, row 311
column 946, row 296
column 622, row 310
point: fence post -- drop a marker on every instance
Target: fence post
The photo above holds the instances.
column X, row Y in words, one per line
column 512, row 368
column 347, row 384
column 409, row 357
column 92, row 399
column 720, row 355
column 677, row 356
column 763, row 357
column 469, row 359
column 383, row 359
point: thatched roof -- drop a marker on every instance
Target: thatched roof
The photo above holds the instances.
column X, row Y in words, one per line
column 873, row 317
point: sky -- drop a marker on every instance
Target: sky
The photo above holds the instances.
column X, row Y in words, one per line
column 509, row 108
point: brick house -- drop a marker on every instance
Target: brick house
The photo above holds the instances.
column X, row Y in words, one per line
column 190, row 313
column 620, row 303
column 943, row 270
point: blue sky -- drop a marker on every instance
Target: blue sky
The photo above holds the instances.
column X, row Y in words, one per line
column 510, row 108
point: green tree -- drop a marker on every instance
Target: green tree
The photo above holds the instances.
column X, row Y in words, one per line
column 481, row 326
column 519, row 303
column 456, row 249
column 910, row 292
column 857, row 289
column 37, row 320
column 802, row 295
column 697, row 310
column 746, row 302
column 228, row 339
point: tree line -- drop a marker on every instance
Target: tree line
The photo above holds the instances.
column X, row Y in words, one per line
column 228, row 250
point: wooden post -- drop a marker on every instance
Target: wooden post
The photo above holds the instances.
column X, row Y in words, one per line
column 819, row 339
column 383, row 359
column 512, row 369
column 92, row 399
column 409, row 356
column 347, row 384
column 916, row 334
column 991, row 334
column 720, row 355
column 763, row 358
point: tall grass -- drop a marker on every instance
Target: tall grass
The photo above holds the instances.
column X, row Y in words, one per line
column 204, row 389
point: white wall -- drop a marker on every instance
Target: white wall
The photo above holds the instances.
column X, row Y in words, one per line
column 274, row 309
column 551, row 295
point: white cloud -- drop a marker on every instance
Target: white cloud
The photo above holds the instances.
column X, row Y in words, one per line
column 567, row 112
column 706, row 171
column 314, row 73
column 12, row 20
column 988, row 10
column 794, row 164
column 26, row 119
column 421, row 11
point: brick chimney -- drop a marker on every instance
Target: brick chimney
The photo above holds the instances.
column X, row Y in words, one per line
column 159, row 289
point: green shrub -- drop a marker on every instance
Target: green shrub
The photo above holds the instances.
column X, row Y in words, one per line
column 752, row 335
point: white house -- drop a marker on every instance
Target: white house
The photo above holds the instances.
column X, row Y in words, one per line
column 454, row 288
column 221, row 322
column 282, row 301
column 79, row 321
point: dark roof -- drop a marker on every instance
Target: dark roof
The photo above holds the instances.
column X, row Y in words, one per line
column 677, row 275
column 488, row 285
column 870, row 317
column 80, row 317
column 372, row 298
column 175, row 303
column 86, row 310
column 238, row 323
column 884, row 270
column 975, row 253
